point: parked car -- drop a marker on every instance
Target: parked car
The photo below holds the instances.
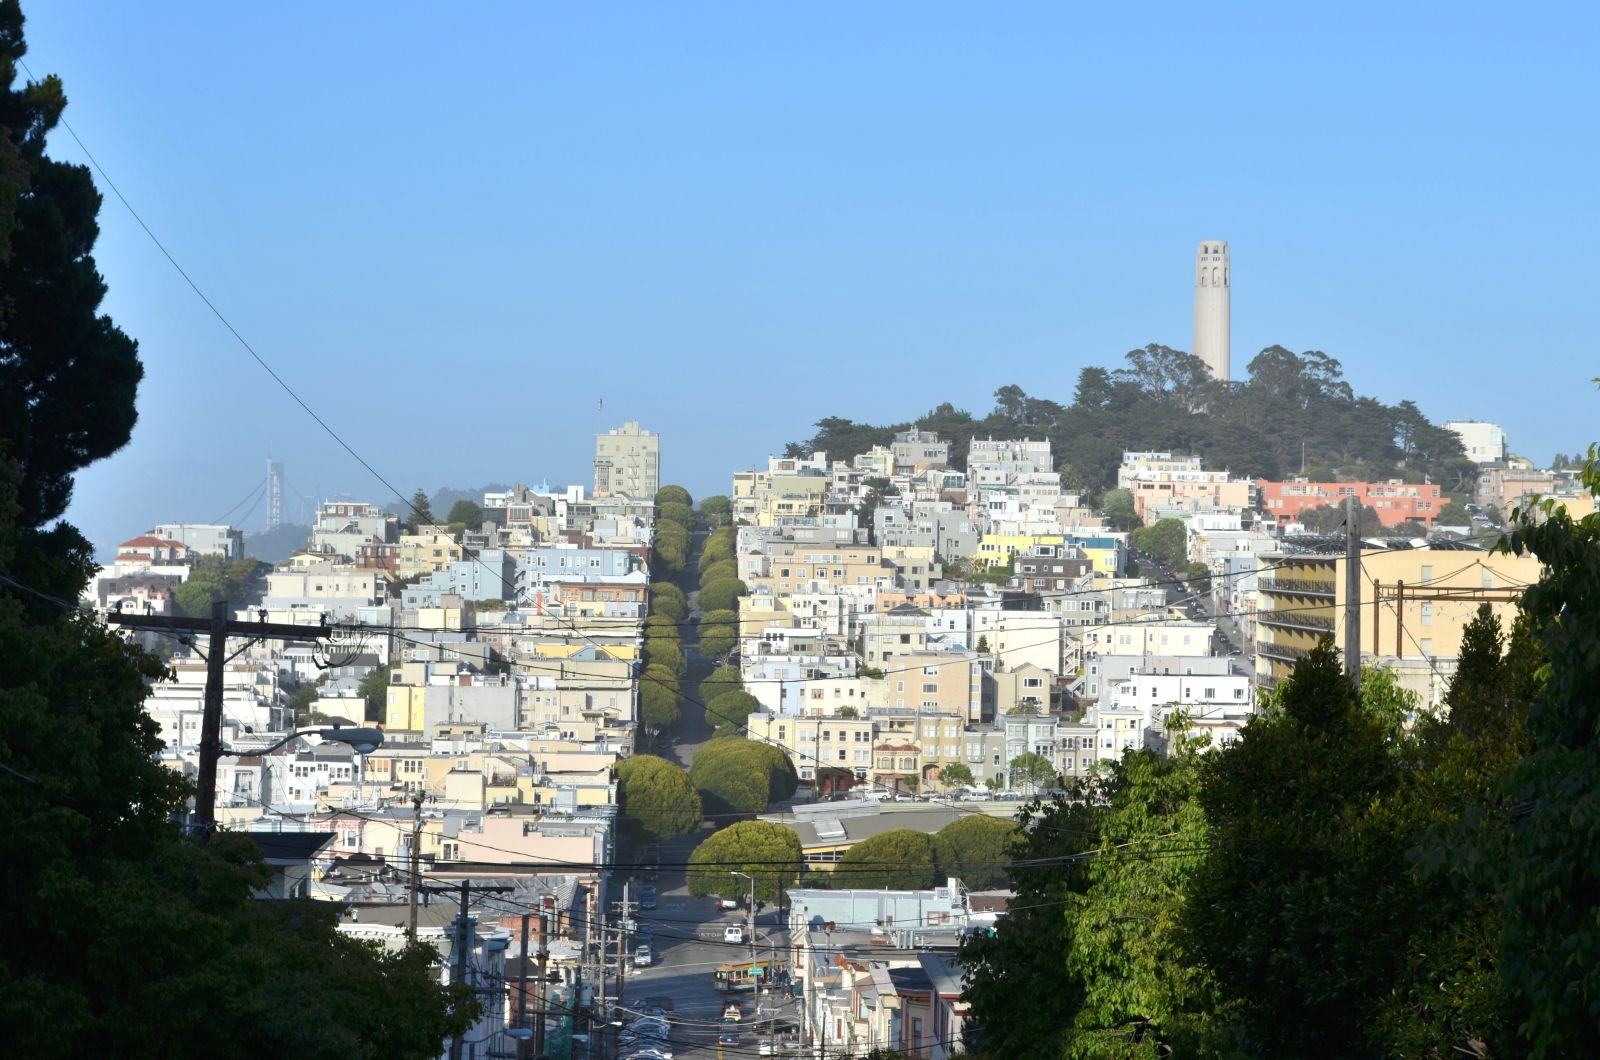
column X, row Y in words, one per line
column 648, row 1027
column 733, row 933
column 727, row 903
column 728, row 1036
column 642, row 956
column 1010, row 796
column 645, row 931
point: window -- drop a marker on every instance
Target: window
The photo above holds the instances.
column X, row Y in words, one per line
column 1427, row 612
column 1211, row 693
column 928, row 686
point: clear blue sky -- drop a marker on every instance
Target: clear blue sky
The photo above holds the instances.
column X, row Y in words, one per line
column 456, row 227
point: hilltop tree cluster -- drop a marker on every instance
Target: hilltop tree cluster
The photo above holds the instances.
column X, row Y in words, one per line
column 1294, row 410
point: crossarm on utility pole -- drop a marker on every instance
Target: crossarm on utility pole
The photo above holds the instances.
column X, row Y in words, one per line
column 218, row 629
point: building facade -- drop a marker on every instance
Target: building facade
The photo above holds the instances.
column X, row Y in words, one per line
column 627, row 460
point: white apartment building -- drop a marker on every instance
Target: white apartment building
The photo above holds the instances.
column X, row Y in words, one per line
column 208, row 539
column 1171, row 637
column 1484, row 442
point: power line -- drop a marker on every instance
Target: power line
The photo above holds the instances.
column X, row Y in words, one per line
column 254, row 493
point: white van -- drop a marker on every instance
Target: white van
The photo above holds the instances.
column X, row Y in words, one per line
column 733, row 933
column 642, row 957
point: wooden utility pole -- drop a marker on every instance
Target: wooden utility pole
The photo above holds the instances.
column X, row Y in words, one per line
column 1352, row 591
column 622, row 958
column 416, row 866
column 521, row 1019
column 218, row 628
column 544, row 987
column 463, row 941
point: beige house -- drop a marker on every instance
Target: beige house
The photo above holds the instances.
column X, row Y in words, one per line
column 796, row 567
column 627, row 461
column 1019, row 689
column 945, row 682
column 914, row 566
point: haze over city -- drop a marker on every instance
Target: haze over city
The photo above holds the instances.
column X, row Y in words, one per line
column 907, row 531
column 902, row 205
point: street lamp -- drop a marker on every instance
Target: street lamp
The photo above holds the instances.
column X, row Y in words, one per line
column 752, row 879
column 362, row 740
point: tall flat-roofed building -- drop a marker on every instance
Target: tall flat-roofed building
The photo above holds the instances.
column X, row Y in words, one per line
column 1484, row 442
column 627, row 460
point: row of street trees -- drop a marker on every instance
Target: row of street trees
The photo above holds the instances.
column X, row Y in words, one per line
column 1336, row 883
column 665, row 664
column 976, row 849
column 675, row 521
column 719, row 625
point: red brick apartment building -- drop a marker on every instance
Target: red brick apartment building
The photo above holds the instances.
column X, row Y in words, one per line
column 1394, row 501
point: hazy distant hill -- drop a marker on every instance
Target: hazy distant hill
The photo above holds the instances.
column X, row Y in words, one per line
column 445, row 496
column 1292, row 413
column 275, row 546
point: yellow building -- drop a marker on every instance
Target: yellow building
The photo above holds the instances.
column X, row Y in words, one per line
column 1414, row 603
column 403, row 708
column 814, row 742
column 997, row 550
column 431, row 549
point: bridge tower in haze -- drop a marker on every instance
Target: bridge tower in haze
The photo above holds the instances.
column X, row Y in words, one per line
column 274, row 493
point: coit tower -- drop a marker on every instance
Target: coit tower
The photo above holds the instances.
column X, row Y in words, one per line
column 1211, row 307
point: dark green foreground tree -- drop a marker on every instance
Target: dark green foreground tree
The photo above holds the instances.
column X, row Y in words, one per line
column 124, row 937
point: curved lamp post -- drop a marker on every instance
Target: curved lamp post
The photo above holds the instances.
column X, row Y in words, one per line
column 363, row 741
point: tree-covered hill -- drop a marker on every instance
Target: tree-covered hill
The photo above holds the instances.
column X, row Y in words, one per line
column 1165, row 399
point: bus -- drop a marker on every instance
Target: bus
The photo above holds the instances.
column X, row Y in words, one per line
column 737, row 976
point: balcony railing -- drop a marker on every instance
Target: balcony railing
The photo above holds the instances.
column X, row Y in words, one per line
column 1281, row 651
column 1295, row 620
column 1297, row 586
